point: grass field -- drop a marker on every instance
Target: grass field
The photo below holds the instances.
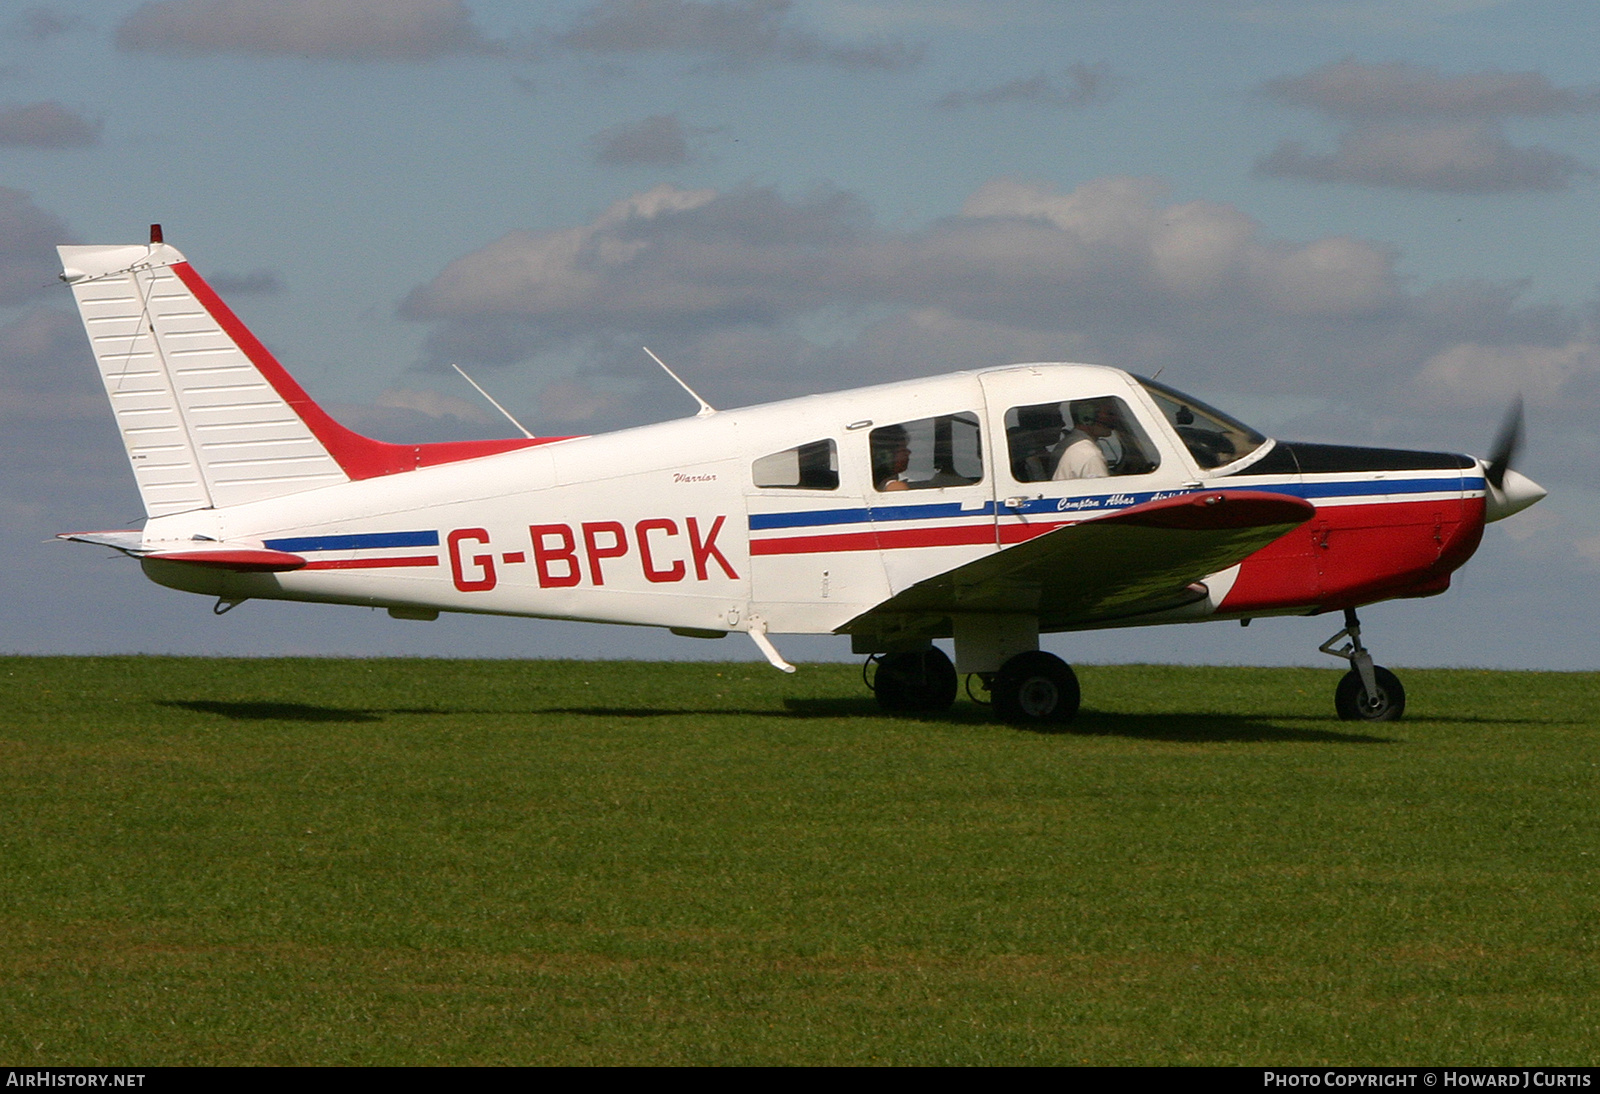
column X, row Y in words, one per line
column 410, row 862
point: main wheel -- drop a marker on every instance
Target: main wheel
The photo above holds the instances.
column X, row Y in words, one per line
column 1353, row 703
column 915, row 683
column 1035, row 689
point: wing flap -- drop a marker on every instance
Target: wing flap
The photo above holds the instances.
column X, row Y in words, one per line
column 1142, row 559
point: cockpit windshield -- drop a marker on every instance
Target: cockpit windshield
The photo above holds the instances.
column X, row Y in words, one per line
column 1212, row 437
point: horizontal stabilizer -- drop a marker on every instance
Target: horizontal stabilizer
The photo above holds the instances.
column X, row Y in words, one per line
column 128, row 542
column 242, row 560
column 239, row 558
column 1143, row 559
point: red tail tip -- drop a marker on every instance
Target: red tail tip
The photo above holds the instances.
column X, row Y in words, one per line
column 155, row 234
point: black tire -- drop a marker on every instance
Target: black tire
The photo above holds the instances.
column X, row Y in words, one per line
column 915, row 683
column 1036, row 689
column 1351, row 701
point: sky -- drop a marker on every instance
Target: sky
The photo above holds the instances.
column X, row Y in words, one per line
column 1363, row 221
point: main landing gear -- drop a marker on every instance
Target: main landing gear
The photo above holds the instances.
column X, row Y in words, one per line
column 1035, row 689
column 915, row 682
column 1031, row 689
column 1368, row 692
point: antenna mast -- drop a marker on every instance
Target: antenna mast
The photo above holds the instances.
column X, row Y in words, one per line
column 705, row 407
column 492, row 403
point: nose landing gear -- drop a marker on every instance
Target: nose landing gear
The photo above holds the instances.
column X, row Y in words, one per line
column 1368, row 692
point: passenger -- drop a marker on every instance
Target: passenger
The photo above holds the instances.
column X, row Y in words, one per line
column 1081, row 457
column 816, row 466
column 1037, row 432
column 891, row 455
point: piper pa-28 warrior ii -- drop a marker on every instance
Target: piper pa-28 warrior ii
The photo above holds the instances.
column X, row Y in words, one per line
column 987, row 507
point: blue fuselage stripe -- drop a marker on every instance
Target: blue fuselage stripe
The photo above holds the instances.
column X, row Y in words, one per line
column 823, row 517
column 1371, row 487
column 362, row 542
column 1345, row 488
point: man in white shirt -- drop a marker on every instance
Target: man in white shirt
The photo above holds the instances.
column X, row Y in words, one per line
column 1093, row 421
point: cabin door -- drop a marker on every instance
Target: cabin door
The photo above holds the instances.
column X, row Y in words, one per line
column 1070, row 445
column 931, row 483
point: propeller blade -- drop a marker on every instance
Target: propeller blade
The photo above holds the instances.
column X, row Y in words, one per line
column 1506, row 445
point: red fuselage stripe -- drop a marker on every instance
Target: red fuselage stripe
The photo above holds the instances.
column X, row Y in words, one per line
column 373, row 563
column 1013, row 531
column 875, row 541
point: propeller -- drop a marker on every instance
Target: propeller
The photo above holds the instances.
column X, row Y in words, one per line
column 1507, row 491
column 1507, row 444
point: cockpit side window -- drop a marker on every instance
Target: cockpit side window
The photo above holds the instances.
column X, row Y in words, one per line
column 813, row 466
column 1212, row 437
column 927, row 453
column 1079, row 439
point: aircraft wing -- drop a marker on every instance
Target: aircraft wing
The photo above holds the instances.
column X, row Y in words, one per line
column 1143, row 559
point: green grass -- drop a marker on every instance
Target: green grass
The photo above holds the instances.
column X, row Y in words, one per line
column 409, row 862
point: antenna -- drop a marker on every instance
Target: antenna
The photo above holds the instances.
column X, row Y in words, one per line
column 705, row 407
column 492, row 403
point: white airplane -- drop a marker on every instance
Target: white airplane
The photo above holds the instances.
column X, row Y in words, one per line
column 987, row 507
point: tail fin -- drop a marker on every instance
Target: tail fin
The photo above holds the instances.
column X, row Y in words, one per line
column 208, row 416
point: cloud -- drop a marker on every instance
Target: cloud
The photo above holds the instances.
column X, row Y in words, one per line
column 1350, row 89
column 46, row 370
column 1083, row 85
column 28, row 239
column 1456, row 157
column 1415, row 128
column 39, row 24
column 46, row 125
column 432, row 404
column 660, row 140
column 1470, row 374
column 754, row 296
column 731, row 34
column 356, row 30
column 578, row 400
column 679, row 257
column 252, row 283
column 406, row 415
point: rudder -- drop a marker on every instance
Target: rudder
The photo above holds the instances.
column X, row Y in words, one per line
column 203, row 425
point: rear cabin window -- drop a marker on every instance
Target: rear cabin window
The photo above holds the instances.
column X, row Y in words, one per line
column 813, row 466
column 927, row 453
column 1077, row 439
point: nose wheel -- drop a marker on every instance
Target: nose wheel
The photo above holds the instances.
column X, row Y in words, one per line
column 1368, row 692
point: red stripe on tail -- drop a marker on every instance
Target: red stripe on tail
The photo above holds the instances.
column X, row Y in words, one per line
column 359, row 457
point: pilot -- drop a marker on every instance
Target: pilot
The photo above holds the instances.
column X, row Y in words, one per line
column 1094, row 421
column 891, row 455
